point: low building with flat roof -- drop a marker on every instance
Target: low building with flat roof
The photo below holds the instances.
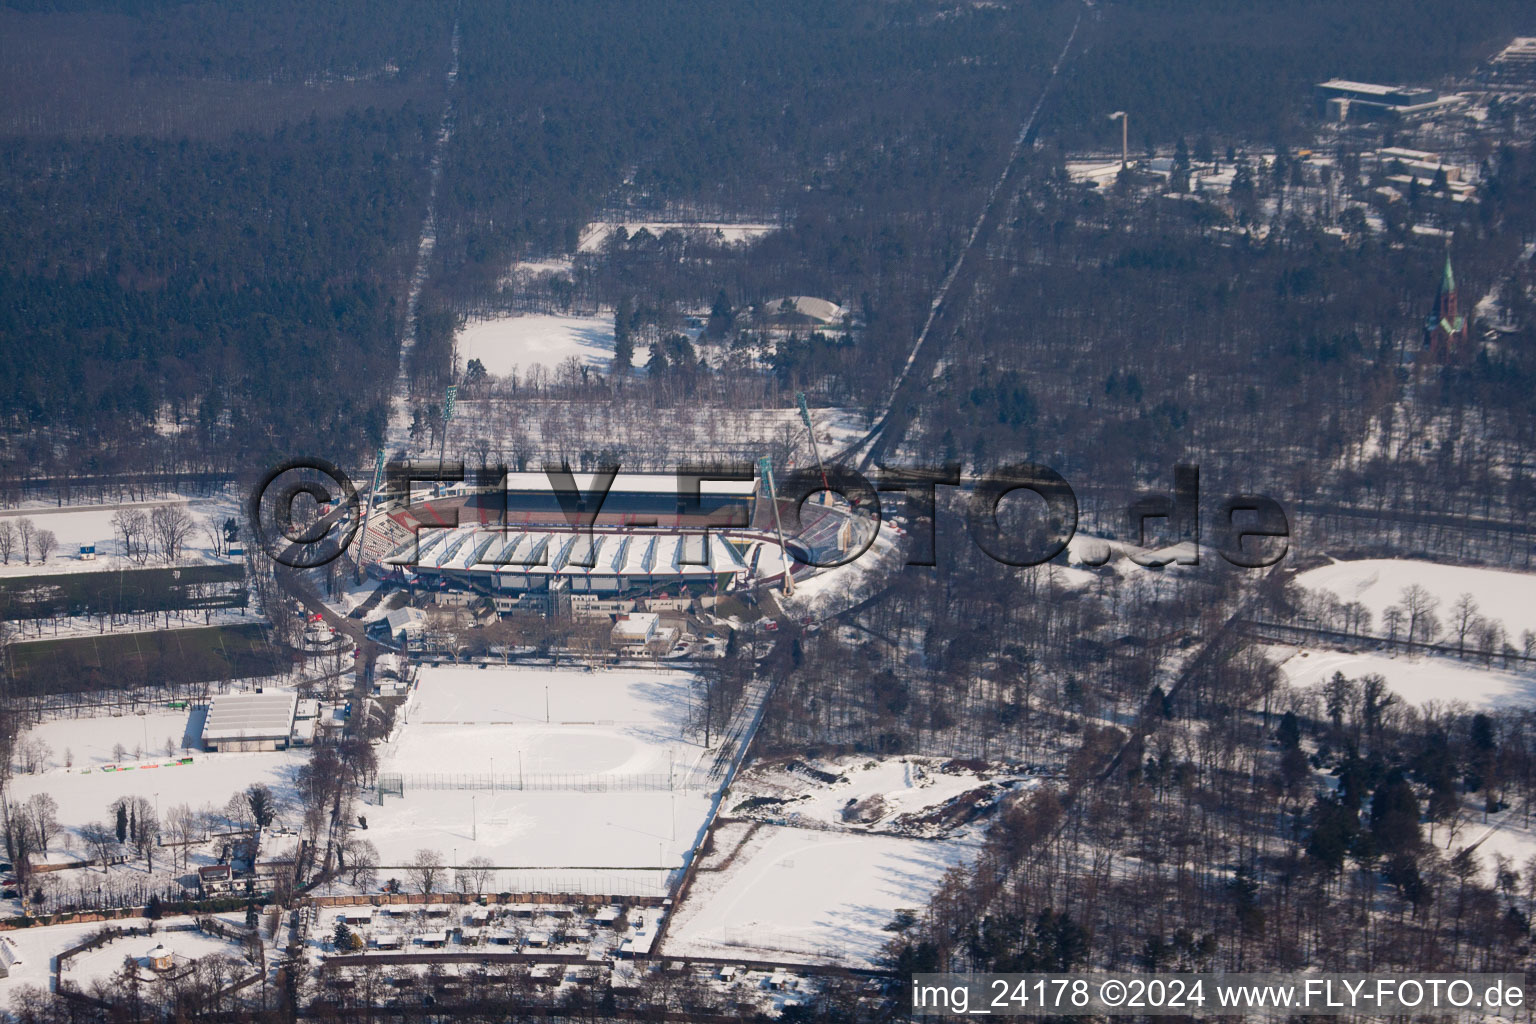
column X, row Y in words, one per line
column 1343, row 100
column 249, row 721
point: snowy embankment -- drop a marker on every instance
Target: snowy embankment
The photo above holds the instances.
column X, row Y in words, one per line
column 836, row 589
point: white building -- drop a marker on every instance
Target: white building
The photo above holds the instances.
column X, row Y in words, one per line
column 637, row 629
column 249, row 721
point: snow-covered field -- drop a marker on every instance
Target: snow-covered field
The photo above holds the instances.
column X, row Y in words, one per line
column 91, row 740
column 595, row 842
column 1378, row 583
column 516, row 343
column 1416, row 679
column 603, row 744
column 802, row 893
column 209, row 779
column 545, row 720
column 75, row 525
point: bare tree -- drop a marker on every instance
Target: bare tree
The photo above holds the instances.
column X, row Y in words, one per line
column 1420, row 605
column 183, row 823
column 132, row 528
column 33, row 754
column 46, row 543
column 42, row 813
column 1463, row 615
column 170, row 525
column 237, row 811
column 425, row 868
column 26, row 531
column 147, row 836
column 7, row 540
column 101, row 839
column 362, row 860
column 215, row 534
column 475, row 875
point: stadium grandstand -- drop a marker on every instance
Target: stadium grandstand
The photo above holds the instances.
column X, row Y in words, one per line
column 644, row 539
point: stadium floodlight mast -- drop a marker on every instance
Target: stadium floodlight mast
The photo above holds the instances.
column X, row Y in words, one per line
column 373, row 497
column 765, row 467
column 450, row 399
column 805, row 414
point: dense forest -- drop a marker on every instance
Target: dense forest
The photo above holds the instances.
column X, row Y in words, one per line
column 224, row 190
column 1247, row 70
column 209, row 228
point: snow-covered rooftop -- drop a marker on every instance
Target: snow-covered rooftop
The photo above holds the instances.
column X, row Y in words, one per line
column 250, row 715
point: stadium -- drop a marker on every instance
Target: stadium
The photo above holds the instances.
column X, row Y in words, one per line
column 645, row 539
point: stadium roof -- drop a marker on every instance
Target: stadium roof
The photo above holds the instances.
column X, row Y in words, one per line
column 250, row 716
column 539, row 552
column 629, row 483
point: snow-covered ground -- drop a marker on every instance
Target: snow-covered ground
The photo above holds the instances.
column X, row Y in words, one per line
column 524, row 270
column 597, row 751
column 38, row 946
column 516, row 343
column 904, row 793
column 90, row 741
column 1416, row 679
column 825, row 896
column 85, row 795
column 595, row 234
column 352, row 594
column 652, row 437
column 102, row 963
column 1502, row 835
column 545, row 720
column 1378, row 583
column 619, row 843
column 84, row 791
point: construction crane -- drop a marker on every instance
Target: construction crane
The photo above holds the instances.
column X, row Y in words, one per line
column 805, row 415
column 765, row 468
column 378, row 475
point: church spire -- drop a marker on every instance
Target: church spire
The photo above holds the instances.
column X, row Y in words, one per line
column 1445, row 331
